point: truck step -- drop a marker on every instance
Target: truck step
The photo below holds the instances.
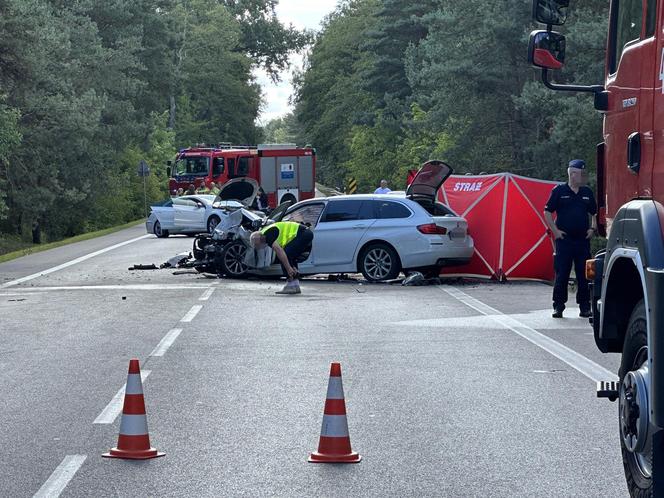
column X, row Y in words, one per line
column 608, row 389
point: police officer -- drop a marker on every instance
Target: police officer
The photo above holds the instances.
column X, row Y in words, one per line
column 576, row 223
column 288, row 240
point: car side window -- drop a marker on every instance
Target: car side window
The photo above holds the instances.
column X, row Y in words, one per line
column 180, row 202
column 391, row 210
column 308, row 214
column 346, row 210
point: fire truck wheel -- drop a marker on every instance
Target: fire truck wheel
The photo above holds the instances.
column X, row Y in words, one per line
column 162, row 234
column 232, row 260
column 212, row 223
column 379, row 262
column 636, row 431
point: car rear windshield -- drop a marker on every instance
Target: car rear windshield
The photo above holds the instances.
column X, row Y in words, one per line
column 435, row 208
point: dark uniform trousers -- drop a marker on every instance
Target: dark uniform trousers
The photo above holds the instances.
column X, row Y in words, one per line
column 300, row 244
column 571, row 251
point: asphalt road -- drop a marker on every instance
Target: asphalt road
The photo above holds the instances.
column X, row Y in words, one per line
column 451, row 390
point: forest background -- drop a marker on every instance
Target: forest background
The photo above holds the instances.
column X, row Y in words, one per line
column 89, row 88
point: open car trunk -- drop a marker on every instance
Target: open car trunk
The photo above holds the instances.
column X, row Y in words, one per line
column 424, row 190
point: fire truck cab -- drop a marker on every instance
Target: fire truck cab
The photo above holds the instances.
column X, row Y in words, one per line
column 284, row 171
column 628, row 277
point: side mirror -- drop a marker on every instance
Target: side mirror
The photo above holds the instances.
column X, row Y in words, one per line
column 168, row 171
column 168, row 163
column 546, row 49
column 550, row 12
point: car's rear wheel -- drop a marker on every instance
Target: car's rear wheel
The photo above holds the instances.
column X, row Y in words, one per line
column 232, row 260
column 379, row 262
column 212, row 223
column 158, row 231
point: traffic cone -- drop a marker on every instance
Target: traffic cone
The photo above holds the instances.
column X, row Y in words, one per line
column 334, row 443
column 133, row 441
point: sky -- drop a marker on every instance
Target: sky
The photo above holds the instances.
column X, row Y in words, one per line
column 308, row 14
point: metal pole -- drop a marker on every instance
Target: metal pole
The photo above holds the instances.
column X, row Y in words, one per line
column 145, row 197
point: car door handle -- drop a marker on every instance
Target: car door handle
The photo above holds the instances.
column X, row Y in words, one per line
column 360, row 226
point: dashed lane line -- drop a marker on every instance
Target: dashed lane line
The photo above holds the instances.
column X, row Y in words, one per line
column 166, row 342
column 70, row 263
column 206, row 295
column 113, row 409
column 191, row 314
column 60, row 477
column 575, row 360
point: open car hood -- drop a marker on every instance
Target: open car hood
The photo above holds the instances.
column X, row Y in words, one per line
column 243, row 190
column 428, row 180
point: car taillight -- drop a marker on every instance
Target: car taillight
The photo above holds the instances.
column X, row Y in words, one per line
column 432, row 229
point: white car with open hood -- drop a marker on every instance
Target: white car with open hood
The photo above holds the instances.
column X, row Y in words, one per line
column 377, row 235
column 192, row 214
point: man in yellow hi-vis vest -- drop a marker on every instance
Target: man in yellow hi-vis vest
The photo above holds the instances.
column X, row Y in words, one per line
column 288, row 240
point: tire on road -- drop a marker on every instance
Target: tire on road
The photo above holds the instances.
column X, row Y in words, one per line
column 638, row 461
column 162, row 234
column 212, row 223
column 379, row 262
column 232, row 260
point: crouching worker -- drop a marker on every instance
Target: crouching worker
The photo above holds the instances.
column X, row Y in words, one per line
column 288, row 240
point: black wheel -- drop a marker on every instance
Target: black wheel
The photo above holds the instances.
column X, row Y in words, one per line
column 288, row 197
column 212, row 223
column 232, row 260
column 379, row 262
column 162, row 234
column 636, row 431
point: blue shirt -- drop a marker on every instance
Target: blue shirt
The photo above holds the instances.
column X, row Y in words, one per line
column 572, row 209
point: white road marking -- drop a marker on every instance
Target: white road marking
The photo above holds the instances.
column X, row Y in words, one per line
column 206, row 295
column 577, row 361
column 70, row 263
column 113, row 409
column 150, row 287
column 537, row 319
column 166, row 342
column 191, row 314
column 60, row 477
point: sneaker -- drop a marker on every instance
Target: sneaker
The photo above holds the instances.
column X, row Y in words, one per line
column 557, row 314
column 290, row 290
column 585, row 313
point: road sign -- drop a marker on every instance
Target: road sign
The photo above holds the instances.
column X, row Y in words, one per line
column 352, row 186
column 143, row 169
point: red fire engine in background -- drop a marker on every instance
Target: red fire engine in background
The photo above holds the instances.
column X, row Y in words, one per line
column 284, row 171
column 628, row 276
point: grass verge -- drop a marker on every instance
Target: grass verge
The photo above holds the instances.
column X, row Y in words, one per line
column 52, row 245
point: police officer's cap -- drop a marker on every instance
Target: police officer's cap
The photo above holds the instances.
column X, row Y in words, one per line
column 577, row 163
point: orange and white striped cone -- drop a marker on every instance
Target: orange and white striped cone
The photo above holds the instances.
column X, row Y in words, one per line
column 334, row 443
column 134, row 440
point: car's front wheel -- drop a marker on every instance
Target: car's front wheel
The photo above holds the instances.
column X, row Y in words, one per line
column 158, row 231
column 379, row 262
column 232, row 260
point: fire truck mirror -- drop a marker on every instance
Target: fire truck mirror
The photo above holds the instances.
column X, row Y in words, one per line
column 546, row 49
column 168, row 171
column 550, row 12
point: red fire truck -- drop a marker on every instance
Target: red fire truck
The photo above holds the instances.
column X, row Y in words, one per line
column 284, row 171
column 628, row 277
